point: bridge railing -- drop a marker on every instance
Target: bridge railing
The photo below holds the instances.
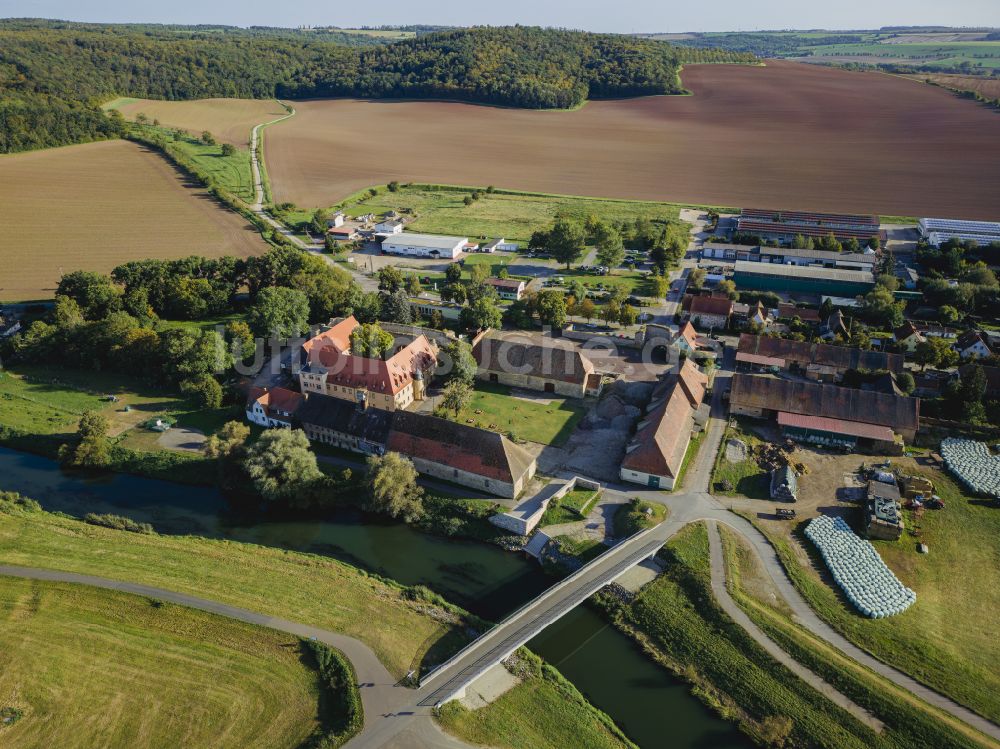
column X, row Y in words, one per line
column 424, row 680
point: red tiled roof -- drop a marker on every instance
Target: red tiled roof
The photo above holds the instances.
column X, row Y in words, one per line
column 662, row 438
column 693, row 382
column 689, row 334
column 324, row 347
column 835, row 426
column 821, row 354
column 276, row 401
column 710, row 305
column 455, row 445
column 806, row 314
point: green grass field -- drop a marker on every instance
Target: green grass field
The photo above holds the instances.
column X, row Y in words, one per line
column 44, row 400
column 677, row 621
column 746, row 477
column 750, row 588
column 569, row 508
column 514, row 215
column 946, row 638
column 230, row 172
column 543, row 712
column 89, row 667
column 301, row 587
column 493, row 407
column 935, row 54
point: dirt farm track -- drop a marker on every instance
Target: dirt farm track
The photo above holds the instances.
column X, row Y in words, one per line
column 93, row 206
column 786, row 135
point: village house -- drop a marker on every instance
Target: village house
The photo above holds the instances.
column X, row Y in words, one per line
column 508, row 288
column 787, row 311
column 828, row 414
column 907, row 336
column 708, row 311
column 272, row 408
column 550, row 368
column 687, row 338
column 395, row 382
column 335, row 220
column 343, row 233
column 656, row 453
column 972, row 345
column 834, row 326
column 389, row 226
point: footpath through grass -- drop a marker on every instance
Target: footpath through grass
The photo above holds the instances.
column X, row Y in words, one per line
column 91, row 667
column 946, row 639
column 546, row 419
column 543, row 712
column 296, row 586
column 676, row 620
column 901, row 711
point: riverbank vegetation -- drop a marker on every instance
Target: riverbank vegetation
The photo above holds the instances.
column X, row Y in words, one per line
column 297, row 586
column 944, row 640
column 677, row 622
column 91, row 667
column 544, row 711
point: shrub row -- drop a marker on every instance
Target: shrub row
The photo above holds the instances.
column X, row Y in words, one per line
column 342, row 714
column 118, row 522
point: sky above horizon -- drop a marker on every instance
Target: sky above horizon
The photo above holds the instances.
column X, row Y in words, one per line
column 628, row 15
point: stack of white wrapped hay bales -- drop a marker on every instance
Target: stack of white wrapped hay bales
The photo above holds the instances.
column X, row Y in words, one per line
column 858, row 569
column 973, row 464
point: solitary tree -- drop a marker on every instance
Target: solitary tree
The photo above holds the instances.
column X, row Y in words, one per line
column 453, row 273
column 610, row 248
column 456, row 396
column 207, row 138
column 390, row 278
column 463, row 363
column 628, row 315
column 586, row 310
column 228, row 149
column 551, row 308
column 481, row 314
column 392, row 487
column 567, row 242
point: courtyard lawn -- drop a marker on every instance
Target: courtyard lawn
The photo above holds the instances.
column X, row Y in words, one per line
column 569, row 508
column 297, row 586
column 536, row 417
column 946, row 638
column 91, row 667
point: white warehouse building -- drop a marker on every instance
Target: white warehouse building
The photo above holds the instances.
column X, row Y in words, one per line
column 937, row 231
column 424, row 245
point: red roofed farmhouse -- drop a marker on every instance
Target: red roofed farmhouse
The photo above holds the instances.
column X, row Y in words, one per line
column 272, row 408
column 392, row 383
column 656, row 453
column 465, row 455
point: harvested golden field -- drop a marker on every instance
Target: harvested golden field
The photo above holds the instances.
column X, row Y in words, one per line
column 786, row 135
column 988, row 87
column 229, row 120
column 96, row 205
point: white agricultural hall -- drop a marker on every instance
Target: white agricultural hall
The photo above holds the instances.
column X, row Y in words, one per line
column 424, row 245
column 937, row 231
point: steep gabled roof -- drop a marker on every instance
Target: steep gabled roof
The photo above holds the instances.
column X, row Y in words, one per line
column 821, row 354
column 828, row 401
column 551, row 362
column 455, row 445
column 346, row 417
column 662, row 438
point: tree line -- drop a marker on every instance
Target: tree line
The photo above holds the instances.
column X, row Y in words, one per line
column 54, row 75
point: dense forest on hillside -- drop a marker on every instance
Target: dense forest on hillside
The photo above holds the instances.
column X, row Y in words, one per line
column 53, row 75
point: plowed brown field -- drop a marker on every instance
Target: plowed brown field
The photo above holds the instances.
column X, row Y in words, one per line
column 786, row 135
column 229, row 120
column 96, row 205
